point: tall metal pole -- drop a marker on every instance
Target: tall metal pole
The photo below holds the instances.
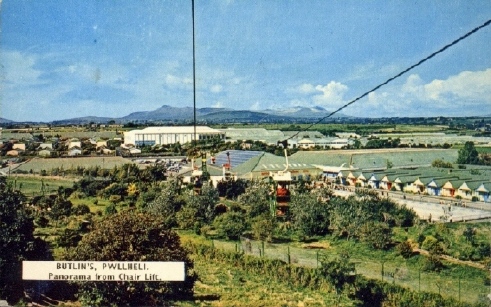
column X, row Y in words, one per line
column 194, row 76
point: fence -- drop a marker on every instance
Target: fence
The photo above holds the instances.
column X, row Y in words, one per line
column 392, row 271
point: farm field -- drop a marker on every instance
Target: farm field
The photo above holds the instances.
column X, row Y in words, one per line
column 34, row 185
column 63, row 133
column 39, row 164
column 480, row 149
column 384, row 128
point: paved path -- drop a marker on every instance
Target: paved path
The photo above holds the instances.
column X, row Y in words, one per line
column 431, row 208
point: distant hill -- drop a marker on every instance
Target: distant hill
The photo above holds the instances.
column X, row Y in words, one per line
column 170, row 113
column 83, row 120
column 242, row 116
column 5, row 121
column 209, row 114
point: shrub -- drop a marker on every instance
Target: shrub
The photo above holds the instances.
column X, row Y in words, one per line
column 405, row 249
column 114, row 199
column 81, row 209
column 186, row 217
column 441, row 164
column 130, row 236
column 376, row 235
column 263, row 228
column 230, row 225
column 111, row 209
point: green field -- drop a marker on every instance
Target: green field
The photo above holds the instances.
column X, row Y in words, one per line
column 39, row 164
column 480, row 149
column 385, row 128
column 35, row 185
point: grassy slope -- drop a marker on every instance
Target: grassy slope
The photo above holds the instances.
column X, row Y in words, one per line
column 369, row 263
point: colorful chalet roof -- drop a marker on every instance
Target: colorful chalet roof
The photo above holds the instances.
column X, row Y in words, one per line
column 485, row 187
column 440, row 182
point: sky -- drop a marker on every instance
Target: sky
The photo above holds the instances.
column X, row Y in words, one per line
column 63, row 59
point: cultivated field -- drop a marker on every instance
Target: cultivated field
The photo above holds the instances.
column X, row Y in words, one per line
column 39, row 164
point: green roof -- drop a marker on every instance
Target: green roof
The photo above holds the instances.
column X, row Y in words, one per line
column 377, row 159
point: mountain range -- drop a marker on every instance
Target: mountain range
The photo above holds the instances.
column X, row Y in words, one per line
column 209, row 115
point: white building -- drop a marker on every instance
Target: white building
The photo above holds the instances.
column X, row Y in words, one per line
column 333, row 143
column 170, row 135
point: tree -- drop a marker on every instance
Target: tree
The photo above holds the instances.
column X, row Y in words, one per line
column 468, row 154
column 17, row 243
column 204, row 204
column 256, row 200
column 263, row 227
column 376, row 234
column 130, row 236
column 230, row 225
column 309, row 216
column 168, row 203
column 69, row 238
column 61, row 207
column 231, row 189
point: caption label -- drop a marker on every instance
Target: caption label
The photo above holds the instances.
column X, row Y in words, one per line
column 103, row 270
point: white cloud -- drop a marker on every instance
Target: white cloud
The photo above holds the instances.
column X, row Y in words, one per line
column 332, row 94
column 256, row 106
column 305, row 88
column 18, row 68
column 174, row 81
column 463, row 94
column 217, row 88
column 218, row 104
column 473, row 86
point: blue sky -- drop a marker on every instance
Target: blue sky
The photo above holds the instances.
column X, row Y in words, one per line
column 64, row 59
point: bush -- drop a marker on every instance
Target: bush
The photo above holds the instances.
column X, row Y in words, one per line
column 130, row 236
column 441, row 164
column 186, row 217
column 42, row 221
column 81, row 209
column 61, row 208
column 230, row 225
column 405, row 249
column 111, row 209
column 376, row 235
column 263, row 228
column 115, row 199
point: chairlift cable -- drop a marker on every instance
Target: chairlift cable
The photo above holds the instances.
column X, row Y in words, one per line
column 458, row 40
